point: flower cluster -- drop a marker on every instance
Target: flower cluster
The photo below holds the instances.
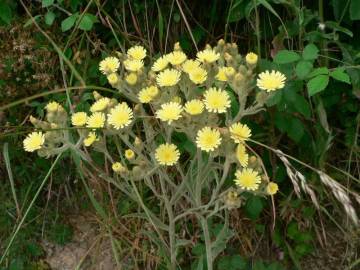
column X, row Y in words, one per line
column 205, row 98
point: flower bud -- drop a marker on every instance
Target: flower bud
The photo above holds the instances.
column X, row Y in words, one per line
column 96, row 95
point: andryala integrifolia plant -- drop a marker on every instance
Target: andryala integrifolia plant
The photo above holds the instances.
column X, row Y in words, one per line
column 172, row 95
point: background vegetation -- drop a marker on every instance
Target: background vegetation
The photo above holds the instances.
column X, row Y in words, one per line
column 49, row 46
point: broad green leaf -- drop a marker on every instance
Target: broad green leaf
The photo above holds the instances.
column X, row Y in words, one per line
column 303, row 68
column 296, row 129
column 5, row 12
column 317, row 84
column 319, row 71
column 253, row 207
column 46, row 3
column 274, row 99
column 87, row 22
column 49, row 17
column 286, row 57
column 310, row 52
column 302, row 106
column 355, row 10
column 69, row 22
column 340, row 75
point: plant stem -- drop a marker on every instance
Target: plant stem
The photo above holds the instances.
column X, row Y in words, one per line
column 209, row 258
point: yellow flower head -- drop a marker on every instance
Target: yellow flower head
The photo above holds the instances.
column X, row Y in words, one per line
column 224, row 73
column 131, row 78
column 272, row 188
column 198, row 75
column 52, row 106
column 137, row 52
column 113, row 78
column 96, row 120
column 118, row 167
column 241, row 155
column 168, row 77
column 208, row 139
column 34, row 141
column 239, row 132
column 120, row 116
column 190, row 65
column 100, row 104
column 271, row 81
column 251, row 58
column 216, row 100
column 129, row 154
column 133, row 65
column 90, row 139
column 194, row 107
column 160, row 64
column 208, row 56
column 169, row 112
column 167, row 154
column 176, row 58
column 79, row 119
column 247, row 179
column 109, row 65
column 147, row 94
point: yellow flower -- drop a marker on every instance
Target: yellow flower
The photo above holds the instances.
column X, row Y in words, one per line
column 251, row 58
column 247, row 179
column 160, row 64
column 176, row 57
column 52, row 106
column 208, row 139
column 90, row 139
column 133, row 65
column 118, row 167
column 271, row 81
column 194, row 107
column 169, row 112
column 129, row 154
column 216, row 100
column 109, row 65
column 100, row 104
column 79, row 119
column 137, row 52
column 113, row 78
column 168, row 77
column 147, row 94
column 198, row 75
column 272, row 188
column 239, row 132
column 224, row 73
column 34, row 141
column 96, row 120
column 167, row 154
column 208, row 56
column 120, row 116
column 131, row 78
column 190, row 65
column 241, row 155
column 153, row 90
